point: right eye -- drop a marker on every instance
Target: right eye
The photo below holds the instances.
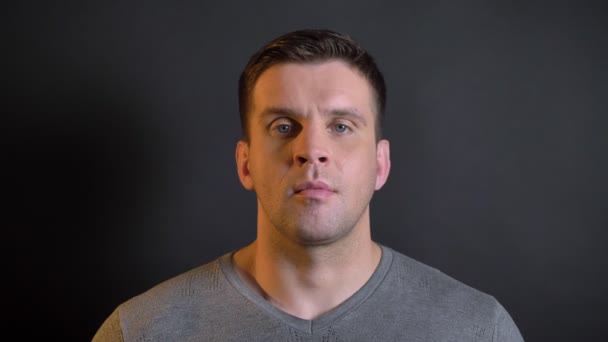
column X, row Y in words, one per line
column 282, row 127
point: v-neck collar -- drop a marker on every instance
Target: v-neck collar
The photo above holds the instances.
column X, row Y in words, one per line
column 321, row 322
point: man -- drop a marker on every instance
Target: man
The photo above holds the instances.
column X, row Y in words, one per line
column 311, row 104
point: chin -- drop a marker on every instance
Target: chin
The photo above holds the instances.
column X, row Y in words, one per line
column 320, row 237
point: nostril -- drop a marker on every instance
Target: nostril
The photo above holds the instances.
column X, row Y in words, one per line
column 305, row 159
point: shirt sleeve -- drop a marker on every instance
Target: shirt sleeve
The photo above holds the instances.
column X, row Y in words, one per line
column 110, row 330
column 505, row 329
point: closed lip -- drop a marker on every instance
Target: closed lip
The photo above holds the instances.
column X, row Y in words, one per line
column 312, row 185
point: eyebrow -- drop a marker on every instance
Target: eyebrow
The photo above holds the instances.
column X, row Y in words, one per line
column 278, row 111
column 351, row 112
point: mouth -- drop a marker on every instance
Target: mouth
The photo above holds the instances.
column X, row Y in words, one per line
column 313, row 190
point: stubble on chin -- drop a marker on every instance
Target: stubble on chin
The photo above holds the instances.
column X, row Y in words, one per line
column 313, row 226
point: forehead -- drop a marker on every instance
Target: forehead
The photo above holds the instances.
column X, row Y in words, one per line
column 312, row 86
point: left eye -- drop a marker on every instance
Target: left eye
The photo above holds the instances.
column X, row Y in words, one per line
column 341, row 128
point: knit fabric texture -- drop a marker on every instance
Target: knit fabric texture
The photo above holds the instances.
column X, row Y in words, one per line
column 404, row 300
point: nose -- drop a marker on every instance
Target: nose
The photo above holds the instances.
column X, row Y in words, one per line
column 310, row 147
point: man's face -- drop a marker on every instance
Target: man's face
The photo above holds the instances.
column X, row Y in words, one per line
column 312, row 157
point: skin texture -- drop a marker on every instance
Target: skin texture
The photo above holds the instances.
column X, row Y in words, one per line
column 314, row 163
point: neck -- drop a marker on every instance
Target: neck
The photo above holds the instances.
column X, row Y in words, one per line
column 307, row 281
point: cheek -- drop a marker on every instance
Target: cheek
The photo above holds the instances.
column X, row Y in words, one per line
column 361, row 167
column 268, row 166
column 361, row 155
column 275, row 150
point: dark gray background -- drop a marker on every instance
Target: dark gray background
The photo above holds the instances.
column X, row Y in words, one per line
column 121, row 122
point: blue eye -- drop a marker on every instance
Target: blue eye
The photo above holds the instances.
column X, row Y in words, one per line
column 341, row 128
column 283, row 128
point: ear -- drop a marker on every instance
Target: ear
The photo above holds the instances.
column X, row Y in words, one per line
column 242, row 164
column 383, row 163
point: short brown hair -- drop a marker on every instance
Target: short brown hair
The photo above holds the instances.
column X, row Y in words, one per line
column 311, row 46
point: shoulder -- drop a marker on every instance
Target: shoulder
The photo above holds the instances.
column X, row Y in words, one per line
column 167, row 305
column 177, row 302
column 200, row 280
column 409, row 274
column 446, row 304
column 197, row 282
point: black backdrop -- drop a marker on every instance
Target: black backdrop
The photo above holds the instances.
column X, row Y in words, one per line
column 120, row 122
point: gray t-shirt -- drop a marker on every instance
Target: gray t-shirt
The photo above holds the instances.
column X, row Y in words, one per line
column 404, row 300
